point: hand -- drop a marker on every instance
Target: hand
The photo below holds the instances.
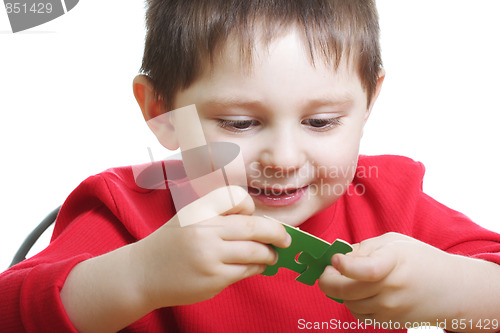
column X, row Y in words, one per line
column 183, row 265
column 392, row 278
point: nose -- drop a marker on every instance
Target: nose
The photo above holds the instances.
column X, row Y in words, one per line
column 283, row 151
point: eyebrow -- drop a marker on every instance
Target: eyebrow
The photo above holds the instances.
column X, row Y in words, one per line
column 226, row 102
column 343, row 99
column 339, row 100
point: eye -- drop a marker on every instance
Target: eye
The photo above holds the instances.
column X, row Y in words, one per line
column 237, row 125
column 322, row 124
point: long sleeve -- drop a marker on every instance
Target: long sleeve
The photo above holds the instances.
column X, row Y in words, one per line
column 92, row 221
column 454, row 232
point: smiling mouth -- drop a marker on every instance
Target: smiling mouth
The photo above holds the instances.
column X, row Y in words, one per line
column 277, row 196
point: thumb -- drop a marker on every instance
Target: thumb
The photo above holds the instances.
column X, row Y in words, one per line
column 241, row 201
column 224, row 200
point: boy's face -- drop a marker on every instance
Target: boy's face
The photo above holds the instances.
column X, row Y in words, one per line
column 298, row 126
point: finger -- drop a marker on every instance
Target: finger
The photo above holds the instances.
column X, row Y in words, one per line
column 242, row 203
column 370, row 245
column 240, row 252
column 254, row 228
column 365, row 318
column 237, row 272
column 361, row 308
column 222, row 201
column 381, row 306
column 371, row 268
column 335, row 285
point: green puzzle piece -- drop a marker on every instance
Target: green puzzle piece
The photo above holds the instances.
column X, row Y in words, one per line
column 301, row 241
column 307, row 255
column 316, row 265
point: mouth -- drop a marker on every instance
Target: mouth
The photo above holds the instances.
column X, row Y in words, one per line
column 276, row 196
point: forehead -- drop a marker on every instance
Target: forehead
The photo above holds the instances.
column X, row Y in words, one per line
column 282, row 69
column 247, row 50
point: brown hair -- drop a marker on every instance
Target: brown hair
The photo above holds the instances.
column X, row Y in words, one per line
column 181, row 33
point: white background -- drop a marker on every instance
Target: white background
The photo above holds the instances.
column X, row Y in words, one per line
column 67, row 109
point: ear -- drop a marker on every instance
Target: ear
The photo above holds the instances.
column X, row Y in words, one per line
column 144, row 94
column 380, row 80
column 154, row 113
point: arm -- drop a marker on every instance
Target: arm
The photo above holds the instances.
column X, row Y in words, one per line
column 172, row 266
column 435, row 274
column 397, row 278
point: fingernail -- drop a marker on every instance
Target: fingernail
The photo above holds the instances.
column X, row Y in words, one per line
column 275, row 261
column 336, row 261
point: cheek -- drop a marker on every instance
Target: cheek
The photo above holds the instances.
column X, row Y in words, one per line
column 248, row 152
column 249, row 167
column 339, row 153
column 335, row 169
column 342, row 152
column 339, row 170
column 334, row 178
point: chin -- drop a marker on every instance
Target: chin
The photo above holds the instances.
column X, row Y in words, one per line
column 285, row 215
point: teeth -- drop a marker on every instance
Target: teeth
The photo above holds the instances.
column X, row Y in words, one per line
column 272, row 191
column 277, row 192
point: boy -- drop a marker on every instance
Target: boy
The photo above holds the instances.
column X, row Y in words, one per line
column 293, row 91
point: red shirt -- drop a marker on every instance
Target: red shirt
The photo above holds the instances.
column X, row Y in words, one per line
column 109, row 210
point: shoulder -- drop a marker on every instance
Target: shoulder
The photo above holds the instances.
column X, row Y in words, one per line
column 142, row 178
column 389, row 170
column 133, row 194
column 391, row 163
column 390, row 187
column 381, row 198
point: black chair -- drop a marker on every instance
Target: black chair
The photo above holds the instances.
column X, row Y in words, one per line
column 33, row 237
